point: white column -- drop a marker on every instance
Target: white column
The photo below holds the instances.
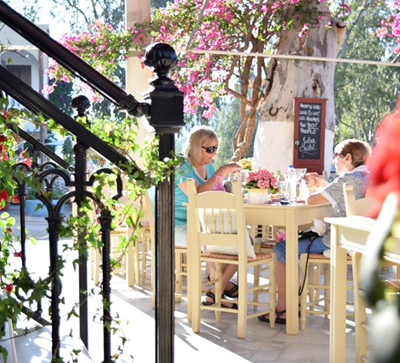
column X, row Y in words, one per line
column 137, row 79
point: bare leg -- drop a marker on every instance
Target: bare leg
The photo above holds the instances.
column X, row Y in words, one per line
column 281, row 285
column 228, row 271
column 226, row 285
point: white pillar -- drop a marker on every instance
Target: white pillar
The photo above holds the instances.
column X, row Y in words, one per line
column 137, row 79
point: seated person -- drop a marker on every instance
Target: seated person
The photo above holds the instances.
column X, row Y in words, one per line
column 200, row 150
column 349, row 161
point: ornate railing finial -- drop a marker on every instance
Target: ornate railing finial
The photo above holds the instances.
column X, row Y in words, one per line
column 81, row 104
column 161, row 58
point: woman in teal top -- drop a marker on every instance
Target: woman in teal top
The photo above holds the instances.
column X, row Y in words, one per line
column 200, row 150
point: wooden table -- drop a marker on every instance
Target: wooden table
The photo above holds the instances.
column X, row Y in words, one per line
column 291, row 217
column 349, row 233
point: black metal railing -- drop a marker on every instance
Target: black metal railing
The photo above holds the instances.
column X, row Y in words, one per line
column 164, row 110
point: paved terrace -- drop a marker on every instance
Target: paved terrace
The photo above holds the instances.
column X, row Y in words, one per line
column 217, row 341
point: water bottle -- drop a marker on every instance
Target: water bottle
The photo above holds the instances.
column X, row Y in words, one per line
column 291, row 178
column 218, row 184
column 289, row 173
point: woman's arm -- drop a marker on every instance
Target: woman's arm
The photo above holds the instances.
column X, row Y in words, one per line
column 316, row 198
column 222, row 171
column 209, row 184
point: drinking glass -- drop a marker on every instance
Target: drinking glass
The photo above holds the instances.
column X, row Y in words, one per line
column 284, row 188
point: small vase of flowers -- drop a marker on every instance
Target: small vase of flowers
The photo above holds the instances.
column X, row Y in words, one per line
column 260, row 183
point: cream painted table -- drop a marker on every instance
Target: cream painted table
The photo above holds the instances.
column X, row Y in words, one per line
column 349, row 233
column 291, row 216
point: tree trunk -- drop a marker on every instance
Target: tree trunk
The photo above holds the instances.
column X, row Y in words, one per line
column 274, row 141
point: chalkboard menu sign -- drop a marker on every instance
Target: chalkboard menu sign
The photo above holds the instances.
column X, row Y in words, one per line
column 309, row 130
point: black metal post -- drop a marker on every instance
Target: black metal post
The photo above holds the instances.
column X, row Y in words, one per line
column 81, row 103
column 21, row 195
column 164, row 282
column 54, row 234
column 166, row 116
column 105, row 222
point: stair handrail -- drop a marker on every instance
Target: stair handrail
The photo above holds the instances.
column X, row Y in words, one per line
column 35, row 102
column 39, row 146
column 70, row 61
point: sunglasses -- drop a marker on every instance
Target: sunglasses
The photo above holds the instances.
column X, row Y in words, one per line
column 210, row 149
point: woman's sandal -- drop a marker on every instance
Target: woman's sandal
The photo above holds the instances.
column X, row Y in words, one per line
column 233, row 292
column 278, row 319
column 212, row 296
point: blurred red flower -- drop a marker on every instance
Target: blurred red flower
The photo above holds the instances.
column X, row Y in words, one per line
column 18, row 254
column 384, row 163
column 3, row 138
column 5, row 114
column 15, row 198
column 8, row 287
column 3, row 195
column 27, row 161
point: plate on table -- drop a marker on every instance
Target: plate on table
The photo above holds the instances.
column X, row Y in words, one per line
column 275, row 200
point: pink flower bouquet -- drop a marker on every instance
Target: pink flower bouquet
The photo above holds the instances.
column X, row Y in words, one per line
column 262, row 179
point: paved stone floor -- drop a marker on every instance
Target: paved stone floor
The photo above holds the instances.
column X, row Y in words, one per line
column 216, row 342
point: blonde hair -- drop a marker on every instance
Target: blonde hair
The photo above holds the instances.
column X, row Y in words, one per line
column 359, row 151
column 198, row 136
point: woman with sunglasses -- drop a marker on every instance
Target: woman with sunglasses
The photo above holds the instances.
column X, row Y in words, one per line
column 199, row 150
column 349, row 161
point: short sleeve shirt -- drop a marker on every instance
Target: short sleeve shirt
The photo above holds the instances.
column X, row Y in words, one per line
column 185, row 172
column 333, row 192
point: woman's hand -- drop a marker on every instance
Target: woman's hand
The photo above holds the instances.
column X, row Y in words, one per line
column 314, row 181
column 227, row 169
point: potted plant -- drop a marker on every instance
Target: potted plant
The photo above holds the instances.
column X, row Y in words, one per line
column 259, row 184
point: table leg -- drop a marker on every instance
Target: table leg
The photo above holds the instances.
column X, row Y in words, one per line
column 337, row 344
column 292, row 274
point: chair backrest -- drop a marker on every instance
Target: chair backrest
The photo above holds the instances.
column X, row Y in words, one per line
column 359, row 207
column 216, row 218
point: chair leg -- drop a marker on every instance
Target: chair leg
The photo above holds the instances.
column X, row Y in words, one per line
column 303, row 298
column 178, row 277
column 314, row 279
column 218, row 289
column 327, row 282
column 137, row 261
column 242, row 304
column 97, row 262
column 359, row 310
column 272, row 291
column 257, row 272
column 196, row 291
column 130, row 265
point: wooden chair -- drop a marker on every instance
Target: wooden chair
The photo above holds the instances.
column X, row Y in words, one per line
column 264, row 238
column 318, row 262
column 215, row 206
column 143, row 250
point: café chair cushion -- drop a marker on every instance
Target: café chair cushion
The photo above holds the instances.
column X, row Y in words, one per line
column 211, row 220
